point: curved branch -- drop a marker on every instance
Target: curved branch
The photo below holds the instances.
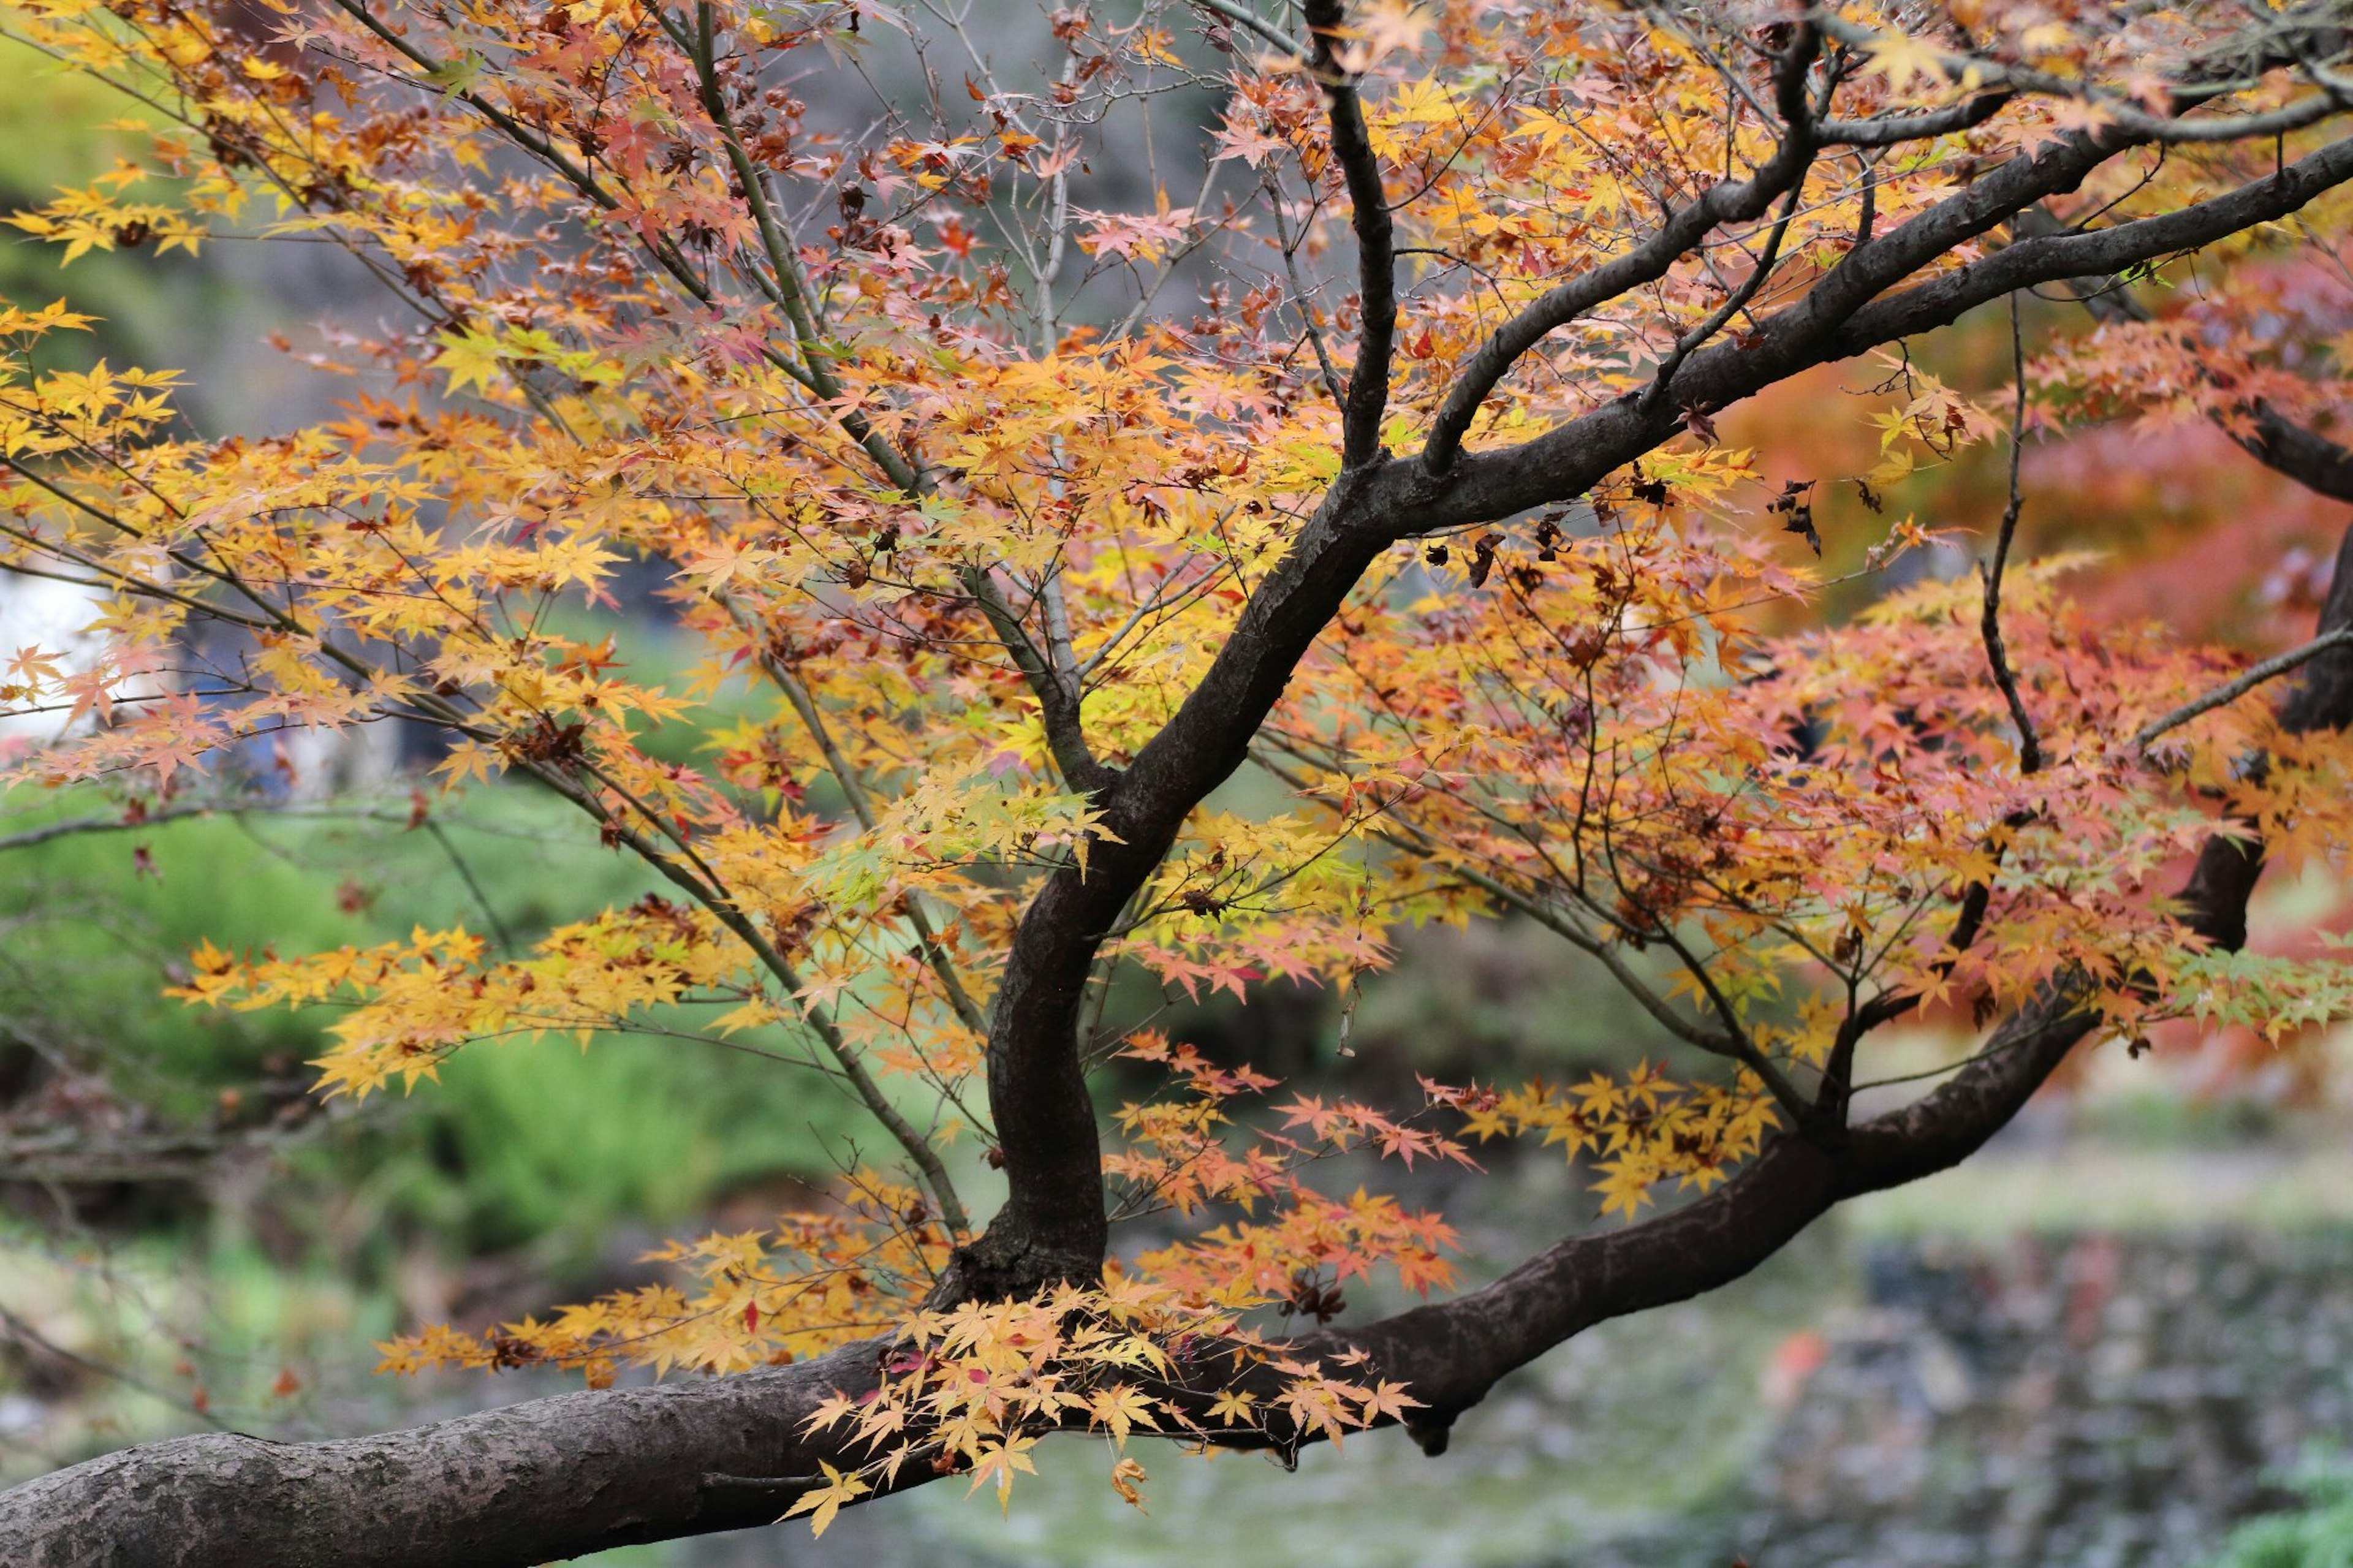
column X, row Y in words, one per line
column 1894, row 130
column 1729, row 201
column 2052, row 258
column 558, row 1476
column 2292, row 450
column 2298, row 453
column 580, row 1472
column 1452, row 1353
column 1843, row 315
column 1053, row 1225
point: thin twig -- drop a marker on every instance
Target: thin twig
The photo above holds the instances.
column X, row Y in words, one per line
column 1733, row 305
column 25, row 1334
column 2030, row 748
column 1241, row 18
column 1299, row 294
column 2231, row 690
column 466, row 874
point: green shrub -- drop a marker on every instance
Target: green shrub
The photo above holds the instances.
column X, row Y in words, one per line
column 2317, row 1534
column 520, row 1140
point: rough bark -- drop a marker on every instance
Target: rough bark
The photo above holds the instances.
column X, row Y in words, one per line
column 2303, row 455
column 532, row 1482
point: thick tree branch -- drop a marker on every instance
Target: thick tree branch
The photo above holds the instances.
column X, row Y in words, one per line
column 2292, row 450
column 1841, row 316
column 2311, row 460
column 534, row 1482
column 1368, row 215
column 1480, row 487
column 2053, row 257
column 582, row 1472
column 1738, row 300
column 1054, row 1224
column 1053, row 1221
column 1891, row 130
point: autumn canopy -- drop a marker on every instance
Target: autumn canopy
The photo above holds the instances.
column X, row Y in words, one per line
column 1023, row 480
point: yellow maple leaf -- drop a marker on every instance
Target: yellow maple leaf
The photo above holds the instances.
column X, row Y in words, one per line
column 471, row 359
column 822, row 1503
column 1904, row 59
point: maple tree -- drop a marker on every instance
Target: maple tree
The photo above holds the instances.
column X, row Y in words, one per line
column 1386, row 467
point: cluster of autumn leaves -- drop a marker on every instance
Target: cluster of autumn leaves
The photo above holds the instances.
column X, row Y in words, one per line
column 925, row 451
